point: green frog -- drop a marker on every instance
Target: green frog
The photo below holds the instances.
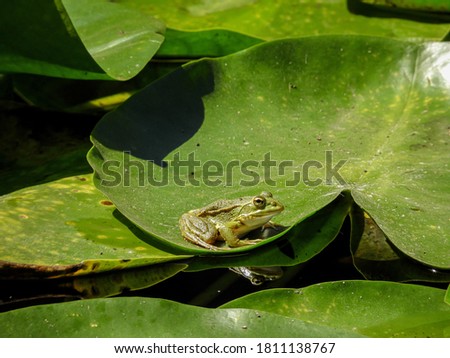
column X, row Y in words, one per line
column 229, row 221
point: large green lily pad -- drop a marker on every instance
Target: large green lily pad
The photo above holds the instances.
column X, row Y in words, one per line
column 120, row 40
column 304, row 118
column 371, row 308
column 86, row 234
column 147, row 317
column 67, row 227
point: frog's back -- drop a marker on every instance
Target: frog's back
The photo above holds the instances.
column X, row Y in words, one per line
column 221, row 208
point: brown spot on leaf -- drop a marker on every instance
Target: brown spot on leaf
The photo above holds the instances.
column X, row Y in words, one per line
column 106, row 202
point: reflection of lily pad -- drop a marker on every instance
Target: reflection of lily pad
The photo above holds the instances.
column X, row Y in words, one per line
column 116, row 282
column 67, row 227
column 305, row 119
column 21, row 293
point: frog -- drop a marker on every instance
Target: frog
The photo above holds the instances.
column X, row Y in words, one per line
column 229, row 221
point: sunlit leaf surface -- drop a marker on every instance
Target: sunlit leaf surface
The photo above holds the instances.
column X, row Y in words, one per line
column 305, row 119
column 374, row 309
column 68, row 227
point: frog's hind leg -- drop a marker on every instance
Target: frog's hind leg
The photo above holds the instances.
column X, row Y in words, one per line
column 201, row 243
column 199, row 232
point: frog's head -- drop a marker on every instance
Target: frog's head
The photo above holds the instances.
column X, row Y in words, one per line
column 258, row 211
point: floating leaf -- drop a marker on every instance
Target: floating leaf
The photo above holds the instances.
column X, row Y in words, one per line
column 371, row 308
column 76, row 39
column 147, row 317
column 270, row 20
column 67, row 227
column 304, row 118
column 121, row 40
column 376, row 259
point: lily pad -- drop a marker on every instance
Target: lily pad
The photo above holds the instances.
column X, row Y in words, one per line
column 304, row 118
column 67, row 227
column 270, row 20
column 371, row 308
column 121, row 40
column 376, row 259
column 76, row 39
column 147, row 317
column 203, row 43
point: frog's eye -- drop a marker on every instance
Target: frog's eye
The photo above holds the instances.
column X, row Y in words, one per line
column 259, row 201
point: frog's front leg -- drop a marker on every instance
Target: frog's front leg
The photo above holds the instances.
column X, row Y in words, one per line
column 232, row 239
column 199, row 231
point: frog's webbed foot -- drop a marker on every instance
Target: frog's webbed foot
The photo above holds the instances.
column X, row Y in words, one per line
column 245, row 242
